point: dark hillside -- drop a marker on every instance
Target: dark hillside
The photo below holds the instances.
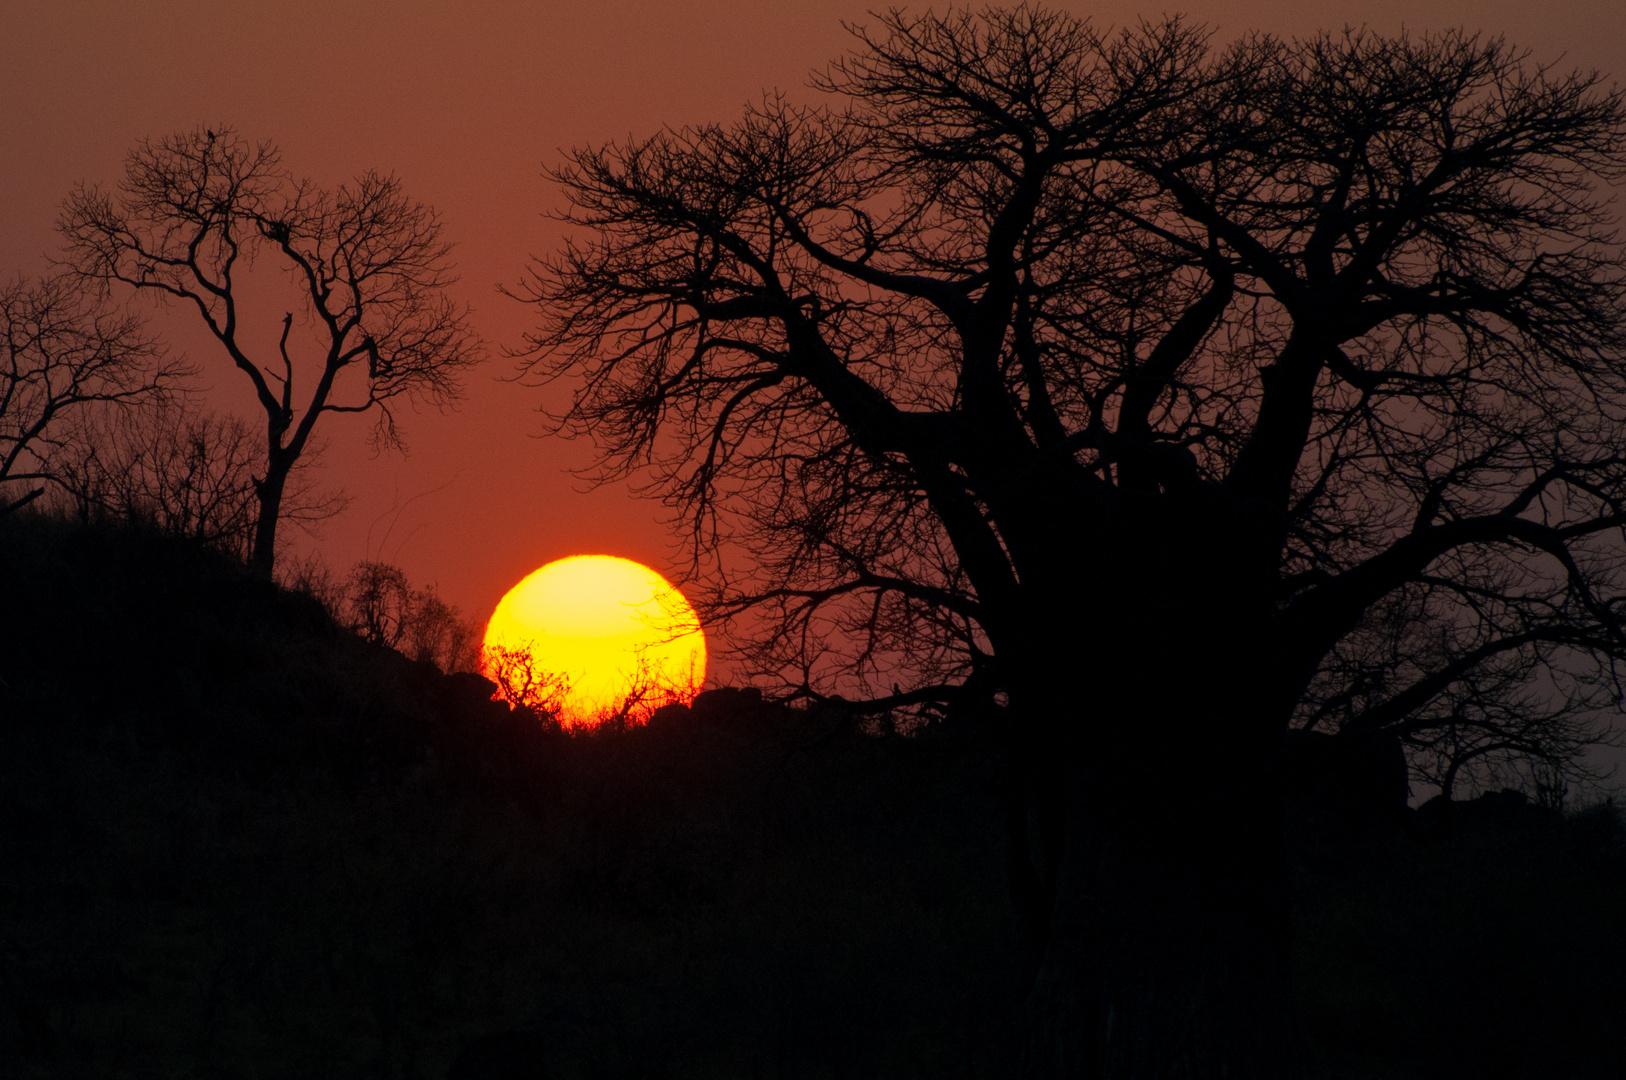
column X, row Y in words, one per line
column 1486, row 939
column 239, row 842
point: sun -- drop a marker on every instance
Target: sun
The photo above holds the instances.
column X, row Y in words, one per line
column 593, row 636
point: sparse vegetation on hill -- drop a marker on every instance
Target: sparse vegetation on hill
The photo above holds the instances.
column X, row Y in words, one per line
column 240, row 841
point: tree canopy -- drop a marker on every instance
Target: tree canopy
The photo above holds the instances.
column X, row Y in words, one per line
column 1167, row 396
column 369, row 272
column 62, row 354
column 1031, row 315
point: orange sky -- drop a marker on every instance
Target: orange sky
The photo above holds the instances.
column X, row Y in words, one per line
column 467, row 102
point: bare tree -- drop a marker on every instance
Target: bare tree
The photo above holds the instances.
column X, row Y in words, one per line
column 522, row 682
column 438, row 634
column 1472, row 713
column 63, row 355
column 379, row 603
column 184, row 472
column 370, row 270
column 1162, row 398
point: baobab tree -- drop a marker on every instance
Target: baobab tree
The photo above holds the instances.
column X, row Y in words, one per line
column 369, row 270
column 1168, row 397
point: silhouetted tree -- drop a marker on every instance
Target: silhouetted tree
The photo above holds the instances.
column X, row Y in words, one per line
column 524, row 679
column 1478, row 715
column 522, row 682
column 1143, row 390
column 379, row 603
column 438, row 634
column 193, row 213
column 184, row 472
column 63, row 354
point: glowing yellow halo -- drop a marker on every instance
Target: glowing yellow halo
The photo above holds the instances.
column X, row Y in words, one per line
column 592, row 636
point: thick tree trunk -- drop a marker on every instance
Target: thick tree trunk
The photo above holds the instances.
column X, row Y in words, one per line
column 1154, row 736
column 1166, row 950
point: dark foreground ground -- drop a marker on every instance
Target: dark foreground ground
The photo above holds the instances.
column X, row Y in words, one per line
column 237, row 842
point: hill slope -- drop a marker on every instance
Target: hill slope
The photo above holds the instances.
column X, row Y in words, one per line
column 239, row 842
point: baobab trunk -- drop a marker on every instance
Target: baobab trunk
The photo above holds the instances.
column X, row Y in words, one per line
column 1166, row 950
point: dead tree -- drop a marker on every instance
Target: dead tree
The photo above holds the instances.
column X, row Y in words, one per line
column 181, row 471
column 65, row 353
column 371, row 321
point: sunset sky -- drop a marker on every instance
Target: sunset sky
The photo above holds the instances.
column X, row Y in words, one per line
column 467, row 103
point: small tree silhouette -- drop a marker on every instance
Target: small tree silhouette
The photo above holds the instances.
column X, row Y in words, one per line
column 379, row 603
column 437, row 632
column 194, row 213
column 63, row 354
column 524, row 678
column 523, row 682
column 186, row 473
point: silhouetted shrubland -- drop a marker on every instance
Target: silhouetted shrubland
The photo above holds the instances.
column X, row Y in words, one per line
column 243, row 841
